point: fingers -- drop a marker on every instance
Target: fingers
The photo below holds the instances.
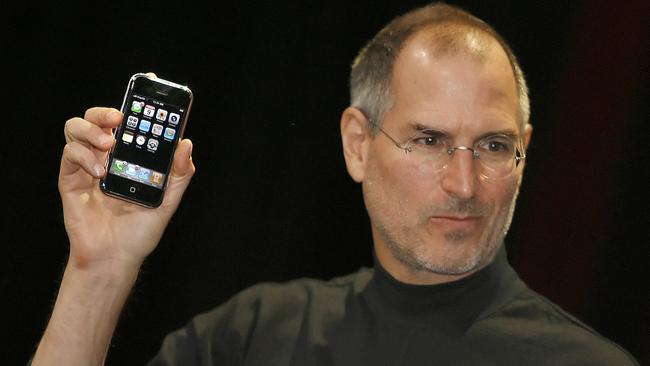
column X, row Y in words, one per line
column 182, row 172
column 88, row 134
column 183, row 164
column 84, row 136
column 76, row 155
column 104, row 117
column 95, row 128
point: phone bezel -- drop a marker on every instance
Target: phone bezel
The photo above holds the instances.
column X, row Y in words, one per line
column 169, row 93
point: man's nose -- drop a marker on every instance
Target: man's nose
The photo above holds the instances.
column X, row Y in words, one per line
column 459, row 174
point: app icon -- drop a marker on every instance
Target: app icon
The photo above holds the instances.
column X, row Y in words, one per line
column 136, row 107
column 127, row 137
column 170, row 133
column 144, row 125
column 161, row 115
column 156, row 178
column 144, row 174
column 157, row 129
column 132, row 169
column 149, row 110
column 119, row 165
column 174, row 118
column 140, row 140
column 152, row 144
column 132, row 121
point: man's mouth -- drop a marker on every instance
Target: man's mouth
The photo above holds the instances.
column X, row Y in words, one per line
column 455, row 222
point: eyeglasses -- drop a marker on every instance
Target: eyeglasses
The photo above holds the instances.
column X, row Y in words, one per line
column 498, row 155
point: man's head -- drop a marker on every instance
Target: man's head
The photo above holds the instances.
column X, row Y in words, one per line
column 372, row 70
column 450, row 80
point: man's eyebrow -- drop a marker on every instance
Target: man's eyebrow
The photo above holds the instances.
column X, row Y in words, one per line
column 419, row 127
column 507, row 132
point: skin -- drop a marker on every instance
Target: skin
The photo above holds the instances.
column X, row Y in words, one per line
column 434, row 227
column 427, row 228
column 104, row 257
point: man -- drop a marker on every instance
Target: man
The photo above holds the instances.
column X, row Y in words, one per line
column 436, row 134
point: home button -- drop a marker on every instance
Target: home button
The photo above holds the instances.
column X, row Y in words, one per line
column 133, row 189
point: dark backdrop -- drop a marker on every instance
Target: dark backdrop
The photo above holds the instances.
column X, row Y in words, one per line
column 271, row 199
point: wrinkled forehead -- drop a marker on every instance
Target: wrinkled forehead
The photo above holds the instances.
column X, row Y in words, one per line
column 455, row 72
column 455, row 41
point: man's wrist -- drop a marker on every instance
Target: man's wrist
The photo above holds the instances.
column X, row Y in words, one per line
column 102, row 274
column 89, row 303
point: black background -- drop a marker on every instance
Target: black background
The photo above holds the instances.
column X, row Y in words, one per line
column 271, row 199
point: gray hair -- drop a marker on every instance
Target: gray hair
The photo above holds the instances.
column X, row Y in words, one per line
column 372, row 69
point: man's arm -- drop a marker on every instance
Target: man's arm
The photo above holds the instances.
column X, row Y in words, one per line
column 105, row 252
column 84, row 316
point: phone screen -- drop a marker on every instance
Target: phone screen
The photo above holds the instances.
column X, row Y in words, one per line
column 145, row 145
column 139, row 164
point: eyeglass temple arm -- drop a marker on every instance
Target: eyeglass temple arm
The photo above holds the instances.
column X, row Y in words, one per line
column 518, row 159
column 401, row 146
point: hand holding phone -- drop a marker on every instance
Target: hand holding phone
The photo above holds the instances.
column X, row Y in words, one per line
column 155, row 114
column 109, row 239
column 103, row 229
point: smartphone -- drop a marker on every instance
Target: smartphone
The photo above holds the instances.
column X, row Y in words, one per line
column 155, row 116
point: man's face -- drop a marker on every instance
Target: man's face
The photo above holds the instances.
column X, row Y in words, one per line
column 449, row 222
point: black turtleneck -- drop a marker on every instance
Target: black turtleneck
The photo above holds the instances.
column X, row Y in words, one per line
column 454, row 305
column 370, row 318
column 388, row 322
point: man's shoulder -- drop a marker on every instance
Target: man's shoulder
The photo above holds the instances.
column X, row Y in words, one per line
column 540, row 327
column 262, row 321
column 303, row 288
column 284, row 302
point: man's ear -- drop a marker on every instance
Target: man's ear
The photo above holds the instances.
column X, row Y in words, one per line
column 528, row 132
column 355, row 136
column 526, row 135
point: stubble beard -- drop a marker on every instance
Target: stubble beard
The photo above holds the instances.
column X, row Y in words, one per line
column 460, row 257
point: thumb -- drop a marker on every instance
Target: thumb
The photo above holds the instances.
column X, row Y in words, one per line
column 181, row 174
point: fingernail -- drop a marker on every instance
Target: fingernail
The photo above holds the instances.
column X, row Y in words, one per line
column 99, row 170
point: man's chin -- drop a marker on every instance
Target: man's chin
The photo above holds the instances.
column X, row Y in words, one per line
column 458, row 255
column 456, row 237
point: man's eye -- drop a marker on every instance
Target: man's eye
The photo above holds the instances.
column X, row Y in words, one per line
column 427, row 141
column 497, row 146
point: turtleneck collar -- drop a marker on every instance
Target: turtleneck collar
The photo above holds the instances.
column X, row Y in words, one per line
column 453, row 305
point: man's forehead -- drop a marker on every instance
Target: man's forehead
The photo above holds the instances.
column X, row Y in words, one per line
column 450, row 39
column 428, row 47
column 419, row 64
column 437, row 85
column 454, row 40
